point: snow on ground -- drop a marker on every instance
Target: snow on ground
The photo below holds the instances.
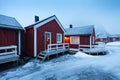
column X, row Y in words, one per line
column 71, row 67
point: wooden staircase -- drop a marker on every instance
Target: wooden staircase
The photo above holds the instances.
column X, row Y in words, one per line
column 42, row 56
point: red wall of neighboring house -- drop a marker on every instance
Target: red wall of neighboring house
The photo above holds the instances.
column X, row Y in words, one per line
column 29, row 40
column 85, row 40
column 52, row 27
column 8, row 37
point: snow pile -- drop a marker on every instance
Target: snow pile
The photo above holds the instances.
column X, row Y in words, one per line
column 82, row 55
column 114, row 43
column 113, row 47
column 68, row 67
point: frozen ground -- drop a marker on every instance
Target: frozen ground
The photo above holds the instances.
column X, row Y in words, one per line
column 71, row 67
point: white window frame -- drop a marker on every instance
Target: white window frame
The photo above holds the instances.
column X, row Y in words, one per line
column 50, row 36
column 114, row 39
column 73, row 38
column 60, row 38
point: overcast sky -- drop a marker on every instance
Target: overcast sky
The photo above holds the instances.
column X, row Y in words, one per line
column 104, row 14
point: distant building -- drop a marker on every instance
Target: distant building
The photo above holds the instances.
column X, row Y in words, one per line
column 76, row 36
column 102, row 37
column 114, row 37
column 108, row 38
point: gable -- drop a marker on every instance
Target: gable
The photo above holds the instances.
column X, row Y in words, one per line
column 45, row 21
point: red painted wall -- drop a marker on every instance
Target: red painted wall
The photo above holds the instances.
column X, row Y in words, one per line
column 84, row 40
column 8, row 37
column 52, row 27
column 29, row 39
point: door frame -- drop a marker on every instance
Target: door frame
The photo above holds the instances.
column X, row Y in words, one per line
column 45, row 39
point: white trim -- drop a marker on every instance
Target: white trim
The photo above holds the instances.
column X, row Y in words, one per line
column 19, row 42
column 35, row 42
column 90, row 42
column 48, row 20
column 45, row 38
column 93, row 40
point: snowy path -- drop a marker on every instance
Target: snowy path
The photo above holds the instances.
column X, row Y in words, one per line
column 71, row 67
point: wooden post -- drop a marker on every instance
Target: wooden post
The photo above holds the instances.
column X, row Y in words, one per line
column 90, row 42
column 57, row 46
column 19, row 42
column 35, row 42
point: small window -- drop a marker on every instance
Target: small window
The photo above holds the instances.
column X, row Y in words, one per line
column 59, row 38
column 101, row 39
column 114, row 39
column 74, row 40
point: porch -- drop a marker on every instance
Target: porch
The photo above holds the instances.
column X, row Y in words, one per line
column 8, row 54
column 93, row 49
column 53, row 49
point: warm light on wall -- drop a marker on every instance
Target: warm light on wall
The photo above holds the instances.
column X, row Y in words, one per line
column 67, row 39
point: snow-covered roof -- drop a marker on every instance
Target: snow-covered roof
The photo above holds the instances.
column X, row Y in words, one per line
column 84, row 30
column 9, row 22
column 102, row 35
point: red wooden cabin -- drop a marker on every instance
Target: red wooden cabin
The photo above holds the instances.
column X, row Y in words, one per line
column 42, row 33
column 10, row 37
column 108, row 38
column 76, row 36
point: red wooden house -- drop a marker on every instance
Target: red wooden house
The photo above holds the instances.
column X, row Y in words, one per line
column 76, row 36
column 42, row 33
column 10, row 37
column 101, row 38
column 107, row 38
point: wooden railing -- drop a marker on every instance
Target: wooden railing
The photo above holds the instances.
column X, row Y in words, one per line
column 89, row 46
column 8, row 50
column 57, row 46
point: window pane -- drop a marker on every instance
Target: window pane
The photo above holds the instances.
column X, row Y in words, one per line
column 59, row 38
column 74, row 40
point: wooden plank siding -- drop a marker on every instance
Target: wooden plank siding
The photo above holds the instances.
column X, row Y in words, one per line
column 52, row 27
column 29, row 40
column 8, row 37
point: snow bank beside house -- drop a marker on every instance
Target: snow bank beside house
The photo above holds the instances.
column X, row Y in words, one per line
column 82, row 55
column 114, row 43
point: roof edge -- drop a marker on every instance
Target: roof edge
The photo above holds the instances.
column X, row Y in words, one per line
column 42, row 22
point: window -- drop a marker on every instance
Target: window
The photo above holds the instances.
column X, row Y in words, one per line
column 114, row 39
column 59, row 38
column 101, row 39
column 74, row 40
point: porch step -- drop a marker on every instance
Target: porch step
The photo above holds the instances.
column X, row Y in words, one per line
column 42, row 56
